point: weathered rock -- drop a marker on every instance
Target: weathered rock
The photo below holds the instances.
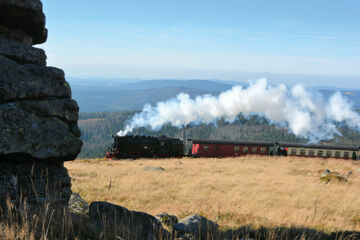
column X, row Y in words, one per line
column 26, row 15
column 15, row 34
column 38, row 118
column 22, row 53
column 25, row 136
column 116, row 221
column 33, row 5
column 65, row 109
column 167, row 220
column 34, row 182
column 18, row 82
column 196, row 226
column 78, row 205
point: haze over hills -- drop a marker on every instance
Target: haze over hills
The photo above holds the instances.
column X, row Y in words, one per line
column 95, row 95
column 109, row 96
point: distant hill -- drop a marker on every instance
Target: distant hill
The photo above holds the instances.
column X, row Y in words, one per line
column 121, row 100
column 208, row 86
column 97, row 95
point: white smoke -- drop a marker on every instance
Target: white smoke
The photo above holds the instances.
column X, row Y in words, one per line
column 305, row 114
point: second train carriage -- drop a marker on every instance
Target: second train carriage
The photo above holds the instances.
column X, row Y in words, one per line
column 222, row 148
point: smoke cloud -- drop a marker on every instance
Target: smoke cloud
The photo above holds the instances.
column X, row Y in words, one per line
column 305, row 114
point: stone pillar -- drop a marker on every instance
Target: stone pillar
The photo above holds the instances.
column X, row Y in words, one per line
column 38, row 118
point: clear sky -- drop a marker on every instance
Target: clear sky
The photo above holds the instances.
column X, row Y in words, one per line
column 203, row 39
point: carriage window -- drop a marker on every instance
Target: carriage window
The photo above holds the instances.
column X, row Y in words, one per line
column 236, row 149
column 206, row 147
column 302, row 152
column 162, row 143
column 328, row 153
column 311, row 153
column 320, row 153
column 337, row 154
column 293, row 151
column 254, row 149
column 346, row 154
column 263, row 150
column 245, row 149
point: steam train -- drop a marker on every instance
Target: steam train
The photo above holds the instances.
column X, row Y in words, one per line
column 145, row 146
column 164, row 147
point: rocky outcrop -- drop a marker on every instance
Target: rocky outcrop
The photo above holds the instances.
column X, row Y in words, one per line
column 117, row 222
column 38, row 118
column 37, row 182
column 25, row 16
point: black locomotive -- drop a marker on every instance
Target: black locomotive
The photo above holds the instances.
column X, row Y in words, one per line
column 145, row 146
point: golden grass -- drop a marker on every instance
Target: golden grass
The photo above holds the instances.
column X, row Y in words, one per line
column 254, row 190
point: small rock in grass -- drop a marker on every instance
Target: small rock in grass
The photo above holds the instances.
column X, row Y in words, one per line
column 325, row 173
column 78, row 205
column 154, row 169
column 333, row 177
column 167, row 220
column 197, row 226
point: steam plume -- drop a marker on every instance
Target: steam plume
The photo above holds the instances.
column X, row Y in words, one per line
column 304, row 114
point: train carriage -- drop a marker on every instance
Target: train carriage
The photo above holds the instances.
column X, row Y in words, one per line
column 325, row 151
column 221, row 148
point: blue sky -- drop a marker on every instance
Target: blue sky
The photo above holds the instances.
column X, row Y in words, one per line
column 203, row 39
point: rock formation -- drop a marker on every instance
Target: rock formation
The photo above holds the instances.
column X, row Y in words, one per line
column 118, row 222
column 38, row 118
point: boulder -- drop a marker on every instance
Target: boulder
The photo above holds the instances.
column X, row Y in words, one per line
column 78, row 205
column 22, row 53
column 26, row 15
column 36, row 182
column 196, row 226
column 118, row 222
column 167, row 220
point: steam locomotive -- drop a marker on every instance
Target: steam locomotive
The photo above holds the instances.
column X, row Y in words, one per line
column 164, row 147
column 145, row 146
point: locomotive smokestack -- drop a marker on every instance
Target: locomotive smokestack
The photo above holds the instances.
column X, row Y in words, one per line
column 304, row 113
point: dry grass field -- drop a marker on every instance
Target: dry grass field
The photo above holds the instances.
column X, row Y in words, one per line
column 254, row 190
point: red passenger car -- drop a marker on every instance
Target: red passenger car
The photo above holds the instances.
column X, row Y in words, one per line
column 220, row 148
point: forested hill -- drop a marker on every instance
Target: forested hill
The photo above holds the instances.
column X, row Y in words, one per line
column 97, row 128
